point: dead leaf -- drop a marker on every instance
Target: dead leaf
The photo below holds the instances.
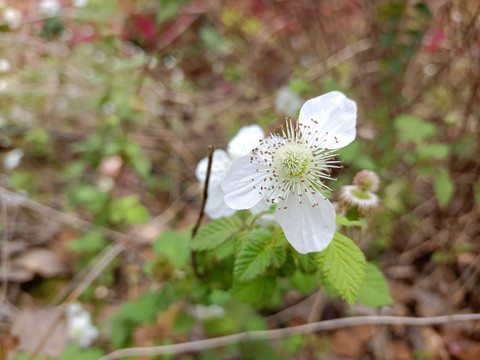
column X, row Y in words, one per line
column 40, row 261
column 31, row 324
column 346, row 343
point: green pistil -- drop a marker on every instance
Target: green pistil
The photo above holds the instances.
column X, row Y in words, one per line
column 359, row 194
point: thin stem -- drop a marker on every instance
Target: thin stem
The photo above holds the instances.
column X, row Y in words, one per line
column 211, row 149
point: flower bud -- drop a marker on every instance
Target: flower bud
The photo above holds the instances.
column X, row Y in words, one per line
column 352, row 196
column 367, row 180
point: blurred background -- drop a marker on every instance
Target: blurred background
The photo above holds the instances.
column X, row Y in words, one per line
column 106, row 107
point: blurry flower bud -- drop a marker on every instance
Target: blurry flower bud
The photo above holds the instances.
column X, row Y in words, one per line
column 352, row 196
column 367, row 180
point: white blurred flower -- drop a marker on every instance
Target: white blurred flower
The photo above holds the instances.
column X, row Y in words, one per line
column 49, row 7
column 12, row 17
column 80, row 3
column 80, row 327
column 240, row 145
column 290, row 170
column 4, row 65
column 203, row 313
column 288, row 101
column 13, row 158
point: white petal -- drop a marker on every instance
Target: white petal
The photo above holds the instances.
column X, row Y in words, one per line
column 335, row 114
column 220, row 164
column 216, row 207
column 239, row 187
column 262, row 206
column 307, row 229
column 246, row 139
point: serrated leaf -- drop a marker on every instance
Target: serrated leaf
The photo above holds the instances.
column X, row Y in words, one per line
column 374, row 290
column 279, row 255
column 215, row 233
column 444, row 187
column 307, row 263
column 342, row 264
column 254, row 257
column 256, row 291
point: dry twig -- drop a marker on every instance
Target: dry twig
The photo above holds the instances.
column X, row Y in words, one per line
column 201, row 345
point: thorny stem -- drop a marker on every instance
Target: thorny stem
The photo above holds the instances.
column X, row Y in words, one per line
column 211, row 149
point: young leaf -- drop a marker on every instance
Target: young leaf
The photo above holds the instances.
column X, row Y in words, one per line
column 215, row 233
column 254, row 257
column 374, row 290
column 444, row 188
column 342, row 264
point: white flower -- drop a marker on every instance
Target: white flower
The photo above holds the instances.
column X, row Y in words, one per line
column 13, row 158
column 49, row 7
column 240, row 145
column 13, row 17
column 80, row 3
column 289, row 170
column 4, row 65
column 203, row 313
column 288, row 101
column 80, row 327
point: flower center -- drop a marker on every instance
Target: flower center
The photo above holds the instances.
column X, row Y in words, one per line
column 292, row 159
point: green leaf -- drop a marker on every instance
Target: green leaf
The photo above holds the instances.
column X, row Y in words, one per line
column 342, row 264
column 342, row 221
column 215, row 233
column 279, row 255
column 137, row 215
column 444, row 187
column 174, row 246
column 256, row 291
column 306, row 262
column 168, row 9
column 254, row 257
column 304, row 283
column 91, row 242
column 374, row 290
column 437, row 151
column 74, row 351
column 413, row 128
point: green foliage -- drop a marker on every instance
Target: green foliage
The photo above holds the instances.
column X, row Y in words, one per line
column 76, row 352
column 215, row 233
column 174, row 245
column 256, row 292
column 143, row 310
column 92, row 242
column 255, row 256
column 128, row 210
column 168, row 9
column 413, row 128
column 305, row 283
column 342, row 265
column 444, row 187
column 374, row 290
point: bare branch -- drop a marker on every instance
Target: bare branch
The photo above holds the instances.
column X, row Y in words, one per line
column 201, row 345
